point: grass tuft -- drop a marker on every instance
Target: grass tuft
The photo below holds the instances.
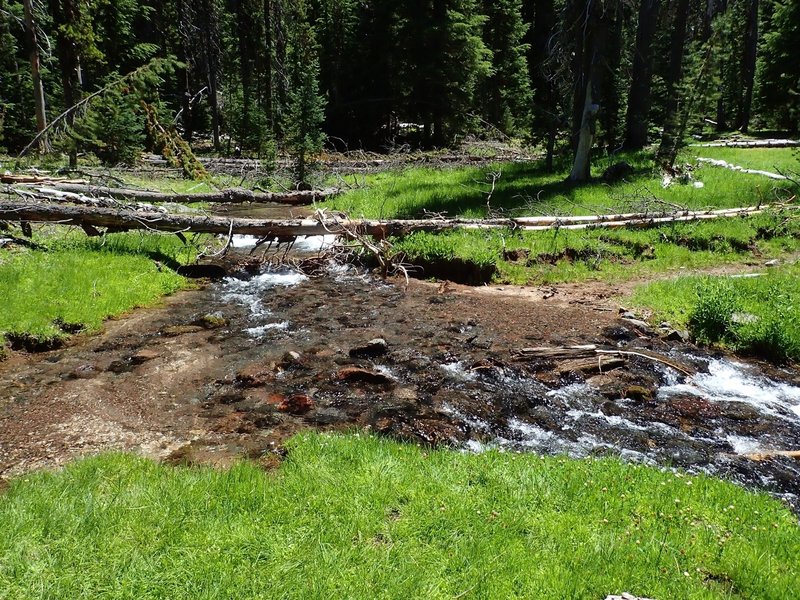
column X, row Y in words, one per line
column 753, row 316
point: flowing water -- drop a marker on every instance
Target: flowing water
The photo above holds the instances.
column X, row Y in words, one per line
column 711, row 422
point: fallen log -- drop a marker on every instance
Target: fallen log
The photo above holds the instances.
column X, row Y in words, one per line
column 767, row 454
column 319, row 225
column 228, row 196
column 9, row 178
column 585, row 351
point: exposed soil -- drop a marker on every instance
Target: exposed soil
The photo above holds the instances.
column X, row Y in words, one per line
column 235, row 368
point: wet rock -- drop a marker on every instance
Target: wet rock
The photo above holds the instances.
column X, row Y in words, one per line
column 674, row 335
column 212, row 321
column 549, row 378
column 737, row 411
column 405, row 394
column 299, row 404
column 372, row 349
column 202, row 271
column 433, row 432
column 619, row 333
column 482, row 342
column 256, row 374
column 639, row 324
column 327, row 416
column 143, row 356
column 235, row 422
column 693, row 407
column 85, row 371
column 621, row 384
column 176, row 330
column 612, row 409
column 120, row 366
column 229, row 396
column 638, row 393
column 361, row 375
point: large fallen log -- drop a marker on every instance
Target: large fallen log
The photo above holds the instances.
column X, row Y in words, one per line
column 228, row 196
column 321, row 224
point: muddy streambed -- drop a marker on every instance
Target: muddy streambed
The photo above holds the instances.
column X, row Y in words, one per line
column 236, row 367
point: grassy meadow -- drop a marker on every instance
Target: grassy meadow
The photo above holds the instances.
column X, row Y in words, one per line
column 526, row 189
column 360, row 517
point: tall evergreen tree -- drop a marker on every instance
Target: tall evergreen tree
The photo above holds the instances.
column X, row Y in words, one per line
column 506, row 92
column 779, row 66
column 442, row 58
column 305, row 110
column 636, row 119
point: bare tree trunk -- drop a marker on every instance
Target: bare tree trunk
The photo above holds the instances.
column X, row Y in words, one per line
column 38, row 89
column 581, row 167
column 636, row 121
column 122, row 220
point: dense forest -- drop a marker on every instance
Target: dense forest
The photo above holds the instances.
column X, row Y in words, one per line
column 260, row 76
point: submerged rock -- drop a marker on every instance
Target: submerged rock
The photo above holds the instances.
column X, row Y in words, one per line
column 372, row 349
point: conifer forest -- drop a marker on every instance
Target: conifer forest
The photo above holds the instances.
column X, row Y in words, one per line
column 260, row 77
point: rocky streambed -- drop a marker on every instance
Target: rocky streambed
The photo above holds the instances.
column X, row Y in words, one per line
column 235, row 368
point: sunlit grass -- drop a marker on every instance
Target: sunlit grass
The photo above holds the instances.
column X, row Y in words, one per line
column 354, row 517
column 758, row 316
column 82, row 281
column 764, row 159
column 519, row 189
column 610, row 254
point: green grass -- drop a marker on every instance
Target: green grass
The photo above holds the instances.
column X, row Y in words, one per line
column 352, row 517
column 755, row 316
column 610, row 254
column 526, row 189
column 81, row 280
column 764, row 159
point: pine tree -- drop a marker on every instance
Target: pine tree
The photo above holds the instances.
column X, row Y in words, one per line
column 442, row 58
column 779, row 67
column 506, row 92
column 305, row 110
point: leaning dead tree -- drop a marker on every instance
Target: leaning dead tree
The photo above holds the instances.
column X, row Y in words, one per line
column 323, row 223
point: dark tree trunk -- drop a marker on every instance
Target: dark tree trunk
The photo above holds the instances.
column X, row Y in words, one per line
column 636, row 119
column 749, row 64
column 668, row 149
column 611, row 49
column 67, row 13
column 266, row 95
column 38, row 89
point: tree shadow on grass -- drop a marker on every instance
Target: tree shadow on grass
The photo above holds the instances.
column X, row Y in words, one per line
column 522, row 188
